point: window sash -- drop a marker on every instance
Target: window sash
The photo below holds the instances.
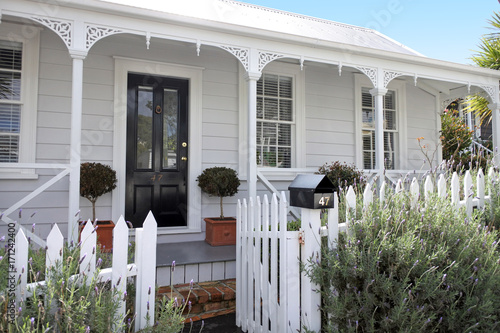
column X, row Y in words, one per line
column 390, row 126
column 275, row 120
column 10, row 98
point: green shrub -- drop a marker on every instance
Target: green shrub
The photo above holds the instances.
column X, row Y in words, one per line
column 404, row 269
column 342, row 175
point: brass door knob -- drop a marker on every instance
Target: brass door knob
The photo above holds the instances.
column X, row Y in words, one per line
column 184, row 158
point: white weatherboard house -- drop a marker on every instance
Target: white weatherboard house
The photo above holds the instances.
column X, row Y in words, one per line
column 161, row 92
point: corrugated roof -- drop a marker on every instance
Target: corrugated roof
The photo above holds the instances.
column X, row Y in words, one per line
column 253, row 16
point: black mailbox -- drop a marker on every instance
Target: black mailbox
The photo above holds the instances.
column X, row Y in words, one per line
column 311, row 191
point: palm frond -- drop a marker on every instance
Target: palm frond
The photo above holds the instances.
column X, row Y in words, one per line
column 478, row 105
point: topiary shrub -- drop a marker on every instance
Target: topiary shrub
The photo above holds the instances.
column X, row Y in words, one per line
column 219, row 182
column 342, row 174
column 411, row 269
column 96, row 179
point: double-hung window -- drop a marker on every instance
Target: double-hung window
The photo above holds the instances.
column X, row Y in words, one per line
column 275, row 120
column 10, row 100
column 391, row 135
column 19, row 53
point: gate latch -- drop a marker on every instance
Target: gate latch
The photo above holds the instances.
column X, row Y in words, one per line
column 302, row 237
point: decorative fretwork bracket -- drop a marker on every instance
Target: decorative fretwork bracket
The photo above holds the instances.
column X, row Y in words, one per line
column 240, row 53
column 371, row 73
column 62, row 28
column 94, row 33
column 267, row 57
column 389, row 76
column 491, row 91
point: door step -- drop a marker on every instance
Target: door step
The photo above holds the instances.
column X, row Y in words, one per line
column 208, row 299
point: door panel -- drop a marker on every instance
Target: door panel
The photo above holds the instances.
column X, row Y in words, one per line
column 157, row 150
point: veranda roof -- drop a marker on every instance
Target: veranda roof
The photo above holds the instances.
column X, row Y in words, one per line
column 262, row 18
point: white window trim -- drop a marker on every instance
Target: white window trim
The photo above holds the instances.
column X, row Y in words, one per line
column 399, row 86
column 195, row 76
column 30, row 38
column 298, row 157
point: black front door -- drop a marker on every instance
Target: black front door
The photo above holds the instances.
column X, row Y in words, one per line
column 157, row 150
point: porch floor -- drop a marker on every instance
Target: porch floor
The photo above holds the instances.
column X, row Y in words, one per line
column 197, row 261
column 188, row 253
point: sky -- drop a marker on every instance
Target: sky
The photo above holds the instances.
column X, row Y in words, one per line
column 441, row 29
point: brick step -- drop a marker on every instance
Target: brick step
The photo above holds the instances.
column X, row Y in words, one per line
column 208, row 299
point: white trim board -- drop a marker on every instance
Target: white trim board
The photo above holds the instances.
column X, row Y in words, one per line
column 194, row 74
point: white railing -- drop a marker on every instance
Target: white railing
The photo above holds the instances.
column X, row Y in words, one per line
column 144, row 267
column 272, row 294
column 4, row 215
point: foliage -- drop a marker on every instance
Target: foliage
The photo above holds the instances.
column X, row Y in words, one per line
column 488, row 56
column 219, row 182
column 456, row 139
column 411, row 269
column 66, row 302
column 96, row 179
column 342, row 175
column 479, row 106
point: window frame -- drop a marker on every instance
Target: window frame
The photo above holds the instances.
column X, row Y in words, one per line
column 30, row 39
column 298, row 157
column 398, row 86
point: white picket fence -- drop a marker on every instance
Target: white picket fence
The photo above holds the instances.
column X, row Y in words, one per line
column 472, row 196
column 144, row 267
column 271, row 294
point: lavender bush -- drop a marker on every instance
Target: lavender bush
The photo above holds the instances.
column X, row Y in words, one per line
column 411, row 269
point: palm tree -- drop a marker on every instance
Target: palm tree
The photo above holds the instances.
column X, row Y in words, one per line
column 488, row 56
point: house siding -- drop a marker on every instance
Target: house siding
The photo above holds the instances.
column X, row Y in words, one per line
column 329, row 116
column 421, row 122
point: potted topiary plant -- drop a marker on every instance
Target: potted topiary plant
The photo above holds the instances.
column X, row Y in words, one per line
column 220, row 182
column 97, row 179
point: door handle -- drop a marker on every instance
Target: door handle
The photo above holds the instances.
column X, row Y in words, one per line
column 184, row 158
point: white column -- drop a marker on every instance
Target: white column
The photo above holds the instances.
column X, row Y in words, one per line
column 252, row 78
column 75, row 148
column 495, row 126
column 379, row 94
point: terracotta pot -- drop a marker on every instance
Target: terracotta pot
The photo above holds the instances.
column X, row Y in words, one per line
column 220, row 232
column 104, row 234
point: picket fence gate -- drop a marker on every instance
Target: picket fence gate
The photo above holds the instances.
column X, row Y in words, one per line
column 272, row 295
column 144, row 267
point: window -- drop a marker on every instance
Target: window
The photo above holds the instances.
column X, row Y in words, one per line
column 275, row 121
column 390, row 129
column 10, row 100
column 19, row 63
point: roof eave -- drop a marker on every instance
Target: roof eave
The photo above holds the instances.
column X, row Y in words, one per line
column 135, row 12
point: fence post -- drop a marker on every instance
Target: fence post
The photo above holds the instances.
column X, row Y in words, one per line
column 238, row 264
column 146, row 272
column 333, row 222
column 455, row 191
column 367, row 196
column 468, row 193
column 383, row 188
column 428, row 187
column 264, row 279
column 244, row 270
column 480, row 188
column 284, row 262
column 55, row 245
column 311, row 249
column 441, row 186
column 350, row 200
column 88, row 241
column 21, row 257
column 120, row 258
column 414, row 192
